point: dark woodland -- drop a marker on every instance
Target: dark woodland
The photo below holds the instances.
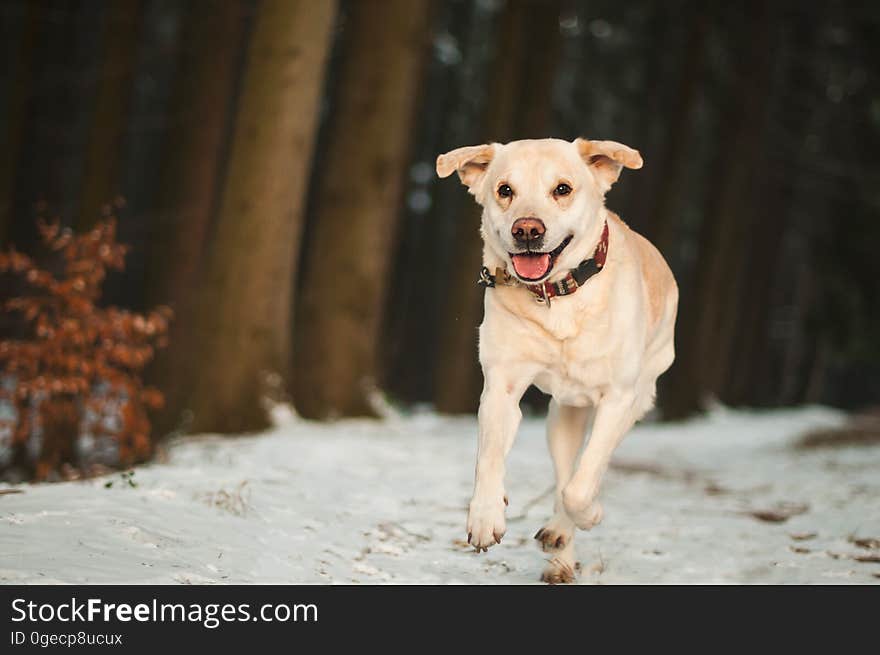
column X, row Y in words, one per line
column 269, row 167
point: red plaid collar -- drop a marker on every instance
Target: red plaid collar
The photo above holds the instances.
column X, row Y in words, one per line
column 573, row 280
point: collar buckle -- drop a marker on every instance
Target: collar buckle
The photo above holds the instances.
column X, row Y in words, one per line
column 486, row 280
column 544, row 297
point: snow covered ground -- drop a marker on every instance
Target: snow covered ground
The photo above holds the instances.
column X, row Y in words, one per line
column 385, row 502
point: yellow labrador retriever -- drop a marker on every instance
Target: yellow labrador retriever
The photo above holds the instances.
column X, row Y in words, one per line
column 577, row 304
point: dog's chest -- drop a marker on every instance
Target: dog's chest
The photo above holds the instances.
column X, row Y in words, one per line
column 578, row 373
column 576, row 367
column 571, row 342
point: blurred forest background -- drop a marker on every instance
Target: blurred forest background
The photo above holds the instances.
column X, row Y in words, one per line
column 276, row 161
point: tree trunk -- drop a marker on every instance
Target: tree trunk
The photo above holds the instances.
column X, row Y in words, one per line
column 347, row 260
column 754, row 378
column 447, row 118
column 655, row 51
column 60, row 423
column 665, row 213
column 703, row 339
column 56, row 118
column 740, row 206
column 16, row 96
column 197, row 137
column 193, row 164
column 103, row 158
column 520, row 97
column 743, row 384
column 241, row 338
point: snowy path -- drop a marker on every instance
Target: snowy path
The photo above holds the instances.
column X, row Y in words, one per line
column 385, row 502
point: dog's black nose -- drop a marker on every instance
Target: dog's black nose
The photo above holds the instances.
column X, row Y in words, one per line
column 528, row 230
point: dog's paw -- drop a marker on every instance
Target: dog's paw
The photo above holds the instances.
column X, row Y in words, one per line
column 583, row 512
column 559, row 571
column 556, row 535
column 486, row 525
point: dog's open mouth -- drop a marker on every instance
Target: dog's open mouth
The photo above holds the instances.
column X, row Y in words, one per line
column 532, row 266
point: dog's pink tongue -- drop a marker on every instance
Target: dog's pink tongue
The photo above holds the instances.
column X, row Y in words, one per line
column 531, row 267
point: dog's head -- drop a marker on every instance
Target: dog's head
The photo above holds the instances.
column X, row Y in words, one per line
column 541, row 198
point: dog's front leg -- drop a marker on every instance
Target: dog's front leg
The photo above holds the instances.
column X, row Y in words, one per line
column 499, row 417
column 566, row 429
column 614, row 417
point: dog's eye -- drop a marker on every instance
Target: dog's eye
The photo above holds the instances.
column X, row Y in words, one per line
column 505, row 191
column 562, row 190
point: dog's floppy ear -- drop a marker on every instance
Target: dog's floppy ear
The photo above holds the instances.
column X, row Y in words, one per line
column 470, row 162
column 607, row 158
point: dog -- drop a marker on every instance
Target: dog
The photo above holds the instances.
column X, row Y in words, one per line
column 577, row 304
